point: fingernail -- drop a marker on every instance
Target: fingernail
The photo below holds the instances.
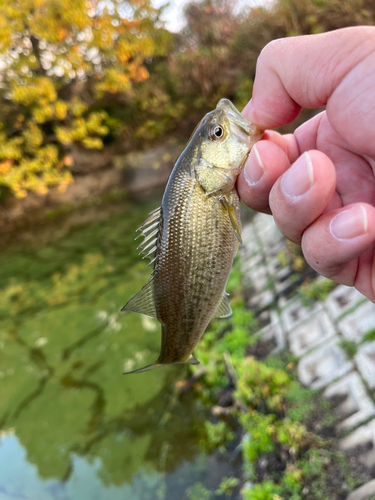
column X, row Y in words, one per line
column 350, row 223
column 299, row 178
column 246, row 109
column 254, row 168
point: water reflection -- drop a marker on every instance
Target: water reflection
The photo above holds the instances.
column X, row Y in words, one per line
column 78, row 428
column 86, row 482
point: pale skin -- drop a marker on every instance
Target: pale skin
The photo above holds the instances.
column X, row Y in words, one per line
column 319, row 183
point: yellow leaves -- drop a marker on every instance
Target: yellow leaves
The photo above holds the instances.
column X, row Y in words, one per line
column 10, row 148
column 33, row 137
column 114, row 81
column 63, row 135
column 36, row 90
column 58, row 51
column 34, row 173
column 43, row 113
column 83, row 129
column 92, row 143
column 61, row 109
column 94, row 123
column 77, row 107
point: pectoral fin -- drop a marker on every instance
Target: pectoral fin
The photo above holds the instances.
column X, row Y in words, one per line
column 143, row 302
column 233, row 218
column 224, row 310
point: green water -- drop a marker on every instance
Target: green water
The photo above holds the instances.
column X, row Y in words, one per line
column 71, row 425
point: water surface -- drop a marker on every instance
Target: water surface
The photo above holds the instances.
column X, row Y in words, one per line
column 72, row 426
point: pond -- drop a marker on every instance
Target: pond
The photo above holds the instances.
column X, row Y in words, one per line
column 71, row 425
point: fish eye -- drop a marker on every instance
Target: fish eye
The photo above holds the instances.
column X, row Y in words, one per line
column 216, row 132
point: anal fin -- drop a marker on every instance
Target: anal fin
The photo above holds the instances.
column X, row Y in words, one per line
column 143, row 302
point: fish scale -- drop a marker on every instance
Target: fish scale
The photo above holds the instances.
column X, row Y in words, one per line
column 193, row 237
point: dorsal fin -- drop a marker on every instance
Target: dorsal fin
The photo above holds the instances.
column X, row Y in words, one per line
column 150, row 232
column 224, row 310
column 143, row 302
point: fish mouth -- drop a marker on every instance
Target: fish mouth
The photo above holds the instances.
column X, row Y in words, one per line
column 241, row 127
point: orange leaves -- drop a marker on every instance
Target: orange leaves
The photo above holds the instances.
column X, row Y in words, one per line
column 138, row 72
column 131, row 24
column 61, row 34
column 5, row 166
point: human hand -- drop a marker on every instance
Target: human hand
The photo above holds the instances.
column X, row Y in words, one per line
column 319, row 182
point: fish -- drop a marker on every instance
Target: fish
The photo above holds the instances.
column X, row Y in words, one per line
column 193, row 237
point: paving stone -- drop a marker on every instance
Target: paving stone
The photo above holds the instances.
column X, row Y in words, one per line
column 312, row 332
column 355, row 325
column 342, row 299
column 282, row 280
column 277, row 271
column 258, row 278
column 267, row 230
column 263, row 299
column 249, row 240
column 355, row 406
column 273, row 250
column 294, row 312
column 248, row 264
column 364, row 492
column 364, row 439
column 273, row 333
column 268, row 317
column 365, row 359
column 323, row 365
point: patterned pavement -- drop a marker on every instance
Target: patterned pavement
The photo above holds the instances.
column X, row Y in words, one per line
column 333, row 337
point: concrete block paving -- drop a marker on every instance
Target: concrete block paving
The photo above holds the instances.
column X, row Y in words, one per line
column 333, row 337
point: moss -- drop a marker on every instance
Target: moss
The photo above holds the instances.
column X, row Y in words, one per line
column 317, row 290
column 349, row 346
column 369, row 336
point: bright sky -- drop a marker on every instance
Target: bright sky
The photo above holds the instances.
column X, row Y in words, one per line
column 173, row 14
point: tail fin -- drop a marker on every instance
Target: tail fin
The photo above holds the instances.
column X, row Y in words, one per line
column 144, row 369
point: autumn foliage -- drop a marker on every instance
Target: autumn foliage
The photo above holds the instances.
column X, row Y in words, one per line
column 58, row 59
column 81, row 74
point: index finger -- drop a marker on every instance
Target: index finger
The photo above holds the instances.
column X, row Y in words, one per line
column 306, row 71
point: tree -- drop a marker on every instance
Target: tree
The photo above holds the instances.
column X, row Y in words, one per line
column 57, row 59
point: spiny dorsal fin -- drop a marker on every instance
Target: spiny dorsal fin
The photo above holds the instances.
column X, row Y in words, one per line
column 224, row 310
column 143, row 302
column 150, row 232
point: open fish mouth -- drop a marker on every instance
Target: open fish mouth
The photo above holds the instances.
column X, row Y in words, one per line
column 240, row 127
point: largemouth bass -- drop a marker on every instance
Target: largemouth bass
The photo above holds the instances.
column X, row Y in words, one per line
column 193, row 236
